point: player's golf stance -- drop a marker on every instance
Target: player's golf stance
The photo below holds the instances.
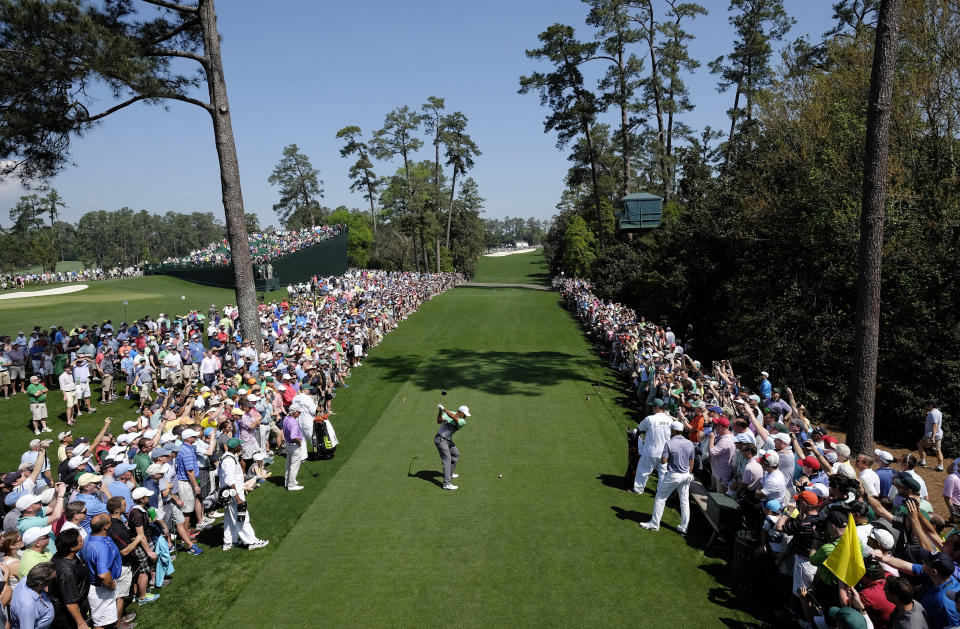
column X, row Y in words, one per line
column 449, row 455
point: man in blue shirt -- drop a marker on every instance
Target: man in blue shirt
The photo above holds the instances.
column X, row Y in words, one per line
column 766, row 389
column 89, row 485
column 187, row 470
column 105, row 565
column 30, row 605
column 678, row 455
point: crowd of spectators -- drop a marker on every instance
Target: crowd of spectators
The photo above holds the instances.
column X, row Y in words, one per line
column 21, row 280
column 264, row 246
column 795, row 489
column 93, row 525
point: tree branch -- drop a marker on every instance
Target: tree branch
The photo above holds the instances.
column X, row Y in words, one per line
column 173, row 52
column 117, row 107
column 188, row 24
column 187, row 99
column 180, row 8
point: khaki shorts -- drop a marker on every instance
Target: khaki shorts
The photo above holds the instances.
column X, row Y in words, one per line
column 108, row 384
column 4, row 378
column 932, row 444
column 187, row 496
column 124, row 582
column 38, row 410
column 83, row 390
column 18, row 372
column 70, row 398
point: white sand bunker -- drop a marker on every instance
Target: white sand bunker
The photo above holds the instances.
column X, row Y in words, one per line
column 61, row 290
column 509, row 253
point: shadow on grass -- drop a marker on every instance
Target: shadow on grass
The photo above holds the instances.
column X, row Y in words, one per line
column 497, row 373
column 613, row 480
column 431, row 476
column 632, row 516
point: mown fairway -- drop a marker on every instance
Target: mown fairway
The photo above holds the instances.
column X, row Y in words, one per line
column 375, row 542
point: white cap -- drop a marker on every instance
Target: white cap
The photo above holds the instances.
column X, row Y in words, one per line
column 129, row 425
column 189, row 432
column 258, row 456
column 154, row 468
column 25, row 501
column 80, row 449
column 32, row 535
column 781, row 436
column 253, row 398
column 140, row 492
column 843, row 450
column 46, row 496
column 464, row 410
column 772, row 458
column 882, row 537
column 77, row 461
column 764, row 374
column 150, row 434
column 884, row 456
column 676, row 427
column 168, row 437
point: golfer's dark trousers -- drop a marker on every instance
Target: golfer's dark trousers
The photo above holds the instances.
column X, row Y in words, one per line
column 449, row 455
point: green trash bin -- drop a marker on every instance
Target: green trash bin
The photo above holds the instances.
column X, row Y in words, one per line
column 59, row 361
column 746, row 563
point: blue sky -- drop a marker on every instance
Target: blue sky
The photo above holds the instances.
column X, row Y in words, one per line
column 297, row 71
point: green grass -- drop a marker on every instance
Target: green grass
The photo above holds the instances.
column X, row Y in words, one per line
column 518, row 268
column 103, row 300
column 374, row 541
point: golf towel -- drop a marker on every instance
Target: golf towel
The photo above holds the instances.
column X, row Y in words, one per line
column 164, row 563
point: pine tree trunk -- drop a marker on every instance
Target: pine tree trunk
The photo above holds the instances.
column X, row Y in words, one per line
column 246, row 290
column 733, row 126
column 596, row 184
column 453, row 186
column 863, row 384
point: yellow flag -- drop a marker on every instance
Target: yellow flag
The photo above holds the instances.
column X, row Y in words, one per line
column 846, row 560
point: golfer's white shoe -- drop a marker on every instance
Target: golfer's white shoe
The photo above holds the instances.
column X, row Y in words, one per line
column 454, row 476
column 450, row 486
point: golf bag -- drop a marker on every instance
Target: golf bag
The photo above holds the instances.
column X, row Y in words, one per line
column 324, row 438
column 633, row 458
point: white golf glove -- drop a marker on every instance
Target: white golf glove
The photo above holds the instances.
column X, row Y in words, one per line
column 441, row 407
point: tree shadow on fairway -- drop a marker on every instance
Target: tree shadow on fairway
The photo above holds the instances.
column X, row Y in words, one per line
column 431, row 476
column 496, row 373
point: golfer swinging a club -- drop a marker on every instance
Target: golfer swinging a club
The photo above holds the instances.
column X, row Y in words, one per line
column 449, row 455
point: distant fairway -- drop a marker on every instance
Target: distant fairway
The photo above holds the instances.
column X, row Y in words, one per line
column 104, row 300
column 374, row 541
column 520, row 268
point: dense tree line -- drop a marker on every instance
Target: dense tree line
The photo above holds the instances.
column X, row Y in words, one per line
column 101, row 238
column 501, row 232
column 759, row 244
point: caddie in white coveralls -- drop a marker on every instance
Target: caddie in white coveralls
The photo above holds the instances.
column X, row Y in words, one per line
column 656, row 432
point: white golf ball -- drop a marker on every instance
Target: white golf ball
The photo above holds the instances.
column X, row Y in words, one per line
column 501, row 476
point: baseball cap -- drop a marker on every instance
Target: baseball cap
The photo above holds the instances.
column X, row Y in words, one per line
column 884, row 456
column 821, row 490
column 773, row 505
column 939, row 561
column 847, row 618
column 764, row 374
column 129, row 425
column 63, row 435
column 140, row 492
column 660, row 403
column 811, row 462
column 722, row 421
column 772, row 459
column 837, row 517
column 808, row 497
column 781, row 436
column 258, row 456
column 830, row 440
column 831, row 456
column 11, row 478
column 233, row 442
column 80, row 448
column 743, row 437
column 33, row 534
column 77, row 461
column 26, row 500
column 253, row 397
column 34, row 443
column 189, row 432
column 464, row 410
column 907, row 480
column 86, row 479
column 676, row 426
column 159, row 452
column 123, row 468
column 843, row 449
column 882, row 537
column 155, row 468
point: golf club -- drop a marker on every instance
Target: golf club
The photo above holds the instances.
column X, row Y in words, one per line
column 443, row 392
column 309, row 469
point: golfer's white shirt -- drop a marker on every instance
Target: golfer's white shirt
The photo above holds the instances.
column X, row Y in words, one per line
column 871, row 482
